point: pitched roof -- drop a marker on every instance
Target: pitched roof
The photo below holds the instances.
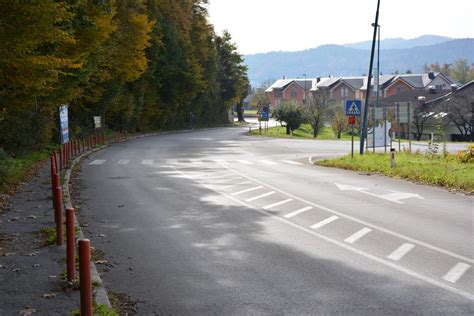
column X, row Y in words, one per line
column 279, row 84
column 305, row 84
column 412, row 96
column 447, row 95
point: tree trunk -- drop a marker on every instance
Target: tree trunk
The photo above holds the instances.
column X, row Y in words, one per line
column 240, row 112
column 288, row 130
column 338, row 135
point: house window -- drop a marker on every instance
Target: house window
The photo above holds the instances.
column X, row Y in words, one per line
column 344, row 92
column 278, row 94
column 439, row 87
column 293, row 94
column 400, row 89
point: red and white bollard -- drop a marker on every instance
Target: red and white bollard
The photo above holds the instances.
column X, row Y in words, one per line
column 85, row 277
column 70, row 242
column 58, row 211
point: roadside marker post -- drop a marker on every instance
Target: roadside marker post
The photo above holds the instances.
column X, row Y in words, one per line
column 85, row 277
column 58, row 211
column 70, row 236
column 351, row 122
column 392, row 158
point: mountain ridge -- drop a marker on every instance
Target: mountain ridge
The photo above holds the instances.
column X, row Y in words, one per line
column 340, row 60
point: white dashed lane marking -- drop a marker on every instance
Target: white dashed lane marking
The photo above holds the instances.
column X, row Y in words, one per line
column 97, row 162
column 401, row 251
column 260, row 196
column 226, row 180
column 456, row 272
column 123, row 162
column 244, row 162
column 234, row 185
column 247, row 190
column 297, row 212
column 291, row 162
column 324, row 222
column 277, row 204
column 355, row 237
column 147, row 162
column 268, row 162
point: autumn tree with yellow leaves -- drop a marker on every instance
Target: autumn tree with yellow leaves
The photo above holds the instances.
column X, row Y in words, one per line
column 142, row 65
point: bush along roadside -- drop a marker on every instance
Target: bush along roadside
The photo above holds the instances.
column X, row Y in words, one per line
column 448, row 170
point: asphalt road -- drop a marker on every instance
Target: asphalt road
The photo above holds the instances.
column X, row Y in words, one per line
column 217, row 222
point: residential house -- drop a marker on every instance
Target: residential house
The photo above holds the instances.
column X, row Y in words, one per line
column 284, row 89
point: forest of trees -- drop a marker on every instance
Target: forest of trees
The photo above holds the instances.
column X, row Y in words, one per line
column 140, row 64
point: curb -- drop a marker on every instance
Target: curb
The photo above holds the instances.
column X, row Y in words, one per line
column 100, row 293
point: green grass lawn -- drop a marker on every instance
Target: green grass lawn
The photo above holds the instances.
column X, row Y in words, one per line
column 16, row 170
column 446, row 172
column 305, row 131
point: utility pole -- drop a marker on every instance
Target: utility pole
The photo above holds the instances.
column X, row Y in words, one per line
column 363, row 131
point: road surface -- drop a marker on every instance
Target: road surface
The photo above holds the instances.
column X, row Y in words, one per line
column 217, row 222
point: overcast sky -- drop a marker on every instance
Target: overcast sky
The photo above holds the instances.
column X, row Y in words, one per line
column 287, row 25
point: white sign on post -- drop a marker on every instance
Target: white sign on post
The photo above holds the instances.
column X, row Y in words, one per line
column 380, row 139
column 64, row 123
column 97, row 120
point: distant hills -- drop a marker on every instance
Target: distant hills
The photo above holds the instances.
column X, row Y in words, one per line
column 400, row 43
column 345, row 60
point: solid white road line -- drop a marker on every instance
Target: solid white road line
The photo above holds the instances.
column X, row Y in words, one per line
column 97, row 162
column 219, row 160
column 324, row 222
column 277, row 204
column 244, row 162
column 343, row 245
column 456, row 272
column 147, row 162
column 195, row 161
column 291, row 162
column 388, row 231
column 234, row 185
column 123, row 162
column 260, row 196
column 268, row 162
column 167, row 172
column 355, row 237
column 401, row 251
column 297, row 212
column 247, row 190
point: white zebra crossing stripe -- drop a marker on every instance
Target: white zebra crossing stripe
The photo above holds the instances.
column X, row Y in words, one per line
column 247, row 190
column 456, row 272
column 355, row 237
column 147, row 162
column 324, row 222
column 267, row 207
column 260, row 196
column 97, row 162
column 297, row 212
column 400, row 252
column 244, row 162
column 291, row 162
column 268, row 162
column 123, row 162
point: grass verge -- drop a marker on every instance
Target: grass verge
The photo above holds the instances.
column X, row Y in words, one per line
column 14, row 171
column 437, row 170
column 305, row 131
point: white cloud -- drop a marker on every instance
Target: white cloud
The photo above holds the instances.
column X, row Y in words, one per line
column 271, row 25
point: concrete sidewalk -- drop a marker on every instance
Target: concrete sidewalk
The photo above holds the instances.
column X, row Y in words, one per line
column 30, row 273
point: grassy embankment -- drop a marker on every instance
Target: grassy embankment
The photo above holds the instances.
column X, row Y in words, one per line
column 446, row 171
column 13, row 171
column 305, row 131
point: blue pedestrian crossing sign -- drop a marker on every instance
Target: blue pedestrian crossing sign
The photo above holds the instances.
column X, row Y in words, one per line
column 353, row 107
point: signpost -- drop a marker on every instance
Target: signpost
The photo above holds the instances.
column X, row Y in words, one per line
column 97, row 121
column 64, row 123
column 263, row 116
column 353, row 108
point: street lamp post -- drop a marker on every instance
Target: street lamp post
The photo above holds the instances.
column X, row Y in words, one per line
column 377, row 84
